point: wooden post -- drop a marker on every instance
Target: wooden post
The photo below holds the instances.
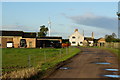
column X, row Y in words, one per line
column 66, row 51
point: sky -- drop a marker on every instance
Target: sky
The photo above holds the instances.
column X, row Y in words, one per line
column 97, row 17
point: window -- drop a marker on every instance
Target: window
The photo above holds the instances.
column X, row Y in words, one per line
column 80, row 42
column 73, row 42
column 73, row 37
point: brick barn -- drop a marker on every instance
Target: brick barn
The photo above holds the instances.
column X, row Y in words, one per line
column 14, row 37
column 20, row 39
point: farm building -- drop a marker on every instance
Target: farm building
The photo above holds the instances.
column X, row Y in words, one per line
column 13, row 39
column 101, row 42
column 42, row 42
column 89, row 41
column 19, row 39
column 77, row 39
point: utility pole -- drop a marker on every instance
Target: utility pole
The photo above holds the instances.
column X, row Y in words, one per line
column 49, row 25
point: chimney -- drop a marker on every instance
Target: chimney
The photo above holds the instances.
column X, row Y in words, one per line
column 92, row 35
column 76, row 30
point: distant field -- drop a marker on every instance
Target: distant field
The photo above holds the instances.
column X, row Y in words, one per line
column 19, row 58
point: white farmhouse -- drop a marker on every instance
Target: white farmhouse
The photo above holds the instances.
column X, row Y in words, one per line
column 76, row 38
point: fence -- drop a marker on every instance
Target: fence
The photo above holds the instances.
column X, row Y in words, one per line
column 15, row 62
column 112, row 45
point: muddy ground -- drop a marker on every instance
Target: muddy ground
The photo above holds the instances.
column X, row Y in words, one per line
column 84, row 65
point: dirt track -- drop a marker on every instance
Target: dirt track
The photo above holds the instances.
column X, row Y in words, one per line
column 83, row 65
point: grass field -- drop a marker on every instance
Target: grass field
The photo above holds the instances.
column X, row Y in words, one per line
column 113, row 50
column 17, row 58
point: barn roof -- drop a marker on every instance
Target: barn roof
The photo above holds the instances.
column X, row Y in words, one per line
column 18, row 33
column 11, row 33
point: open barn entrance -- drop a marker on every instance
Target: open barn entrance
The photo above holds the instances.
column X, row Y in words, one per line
column 43, row 43
column 53, row 42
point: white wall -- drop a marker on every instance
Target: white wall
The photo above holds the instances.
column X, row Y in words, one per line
column 78, row 38
column 91, row 43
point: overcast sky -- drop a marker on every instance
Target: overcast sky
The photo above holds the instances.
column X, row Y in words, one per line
column 97, row 17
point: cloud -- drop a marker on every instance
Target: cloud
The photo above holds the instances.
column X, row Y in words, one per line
column 93, row 20
column 17, row 27
column 63, row 14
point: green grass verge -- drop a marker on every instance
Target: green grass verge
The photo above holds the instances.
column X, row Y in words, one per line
column 71, row 52
column 17, row 58
column 112, row 50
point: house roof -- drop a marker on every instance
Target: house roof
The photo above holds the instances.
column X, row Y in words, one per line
column 101, row 39
column 76, row 33
column 88, row 38
column 95, row 40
